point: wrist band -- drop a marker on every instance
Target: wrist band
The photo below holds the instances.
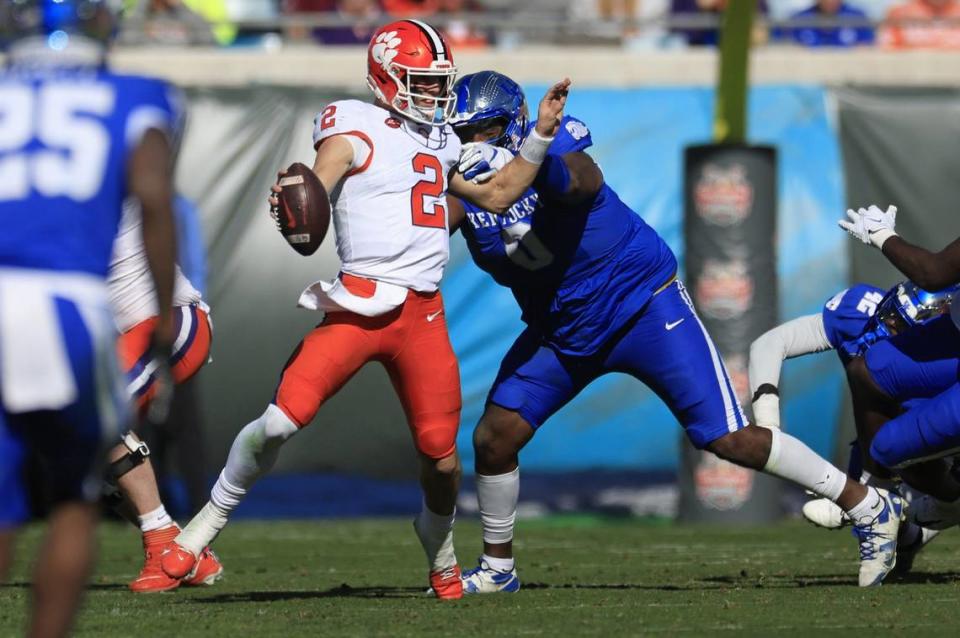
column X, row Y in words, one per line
column 880, row 236
column 534, row 148
column 765, row 388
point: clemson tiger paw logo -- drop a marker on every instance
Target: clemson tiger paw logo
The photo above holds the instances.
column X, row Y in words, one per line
column 384, row 48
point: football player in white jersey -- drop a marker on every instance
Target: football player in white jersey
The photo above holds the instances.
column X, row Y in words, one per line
column 387, row 167
column 134, row 304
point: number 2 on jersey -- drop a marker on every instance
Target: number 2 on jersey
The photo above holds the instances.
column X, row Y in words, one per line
column 432, row 187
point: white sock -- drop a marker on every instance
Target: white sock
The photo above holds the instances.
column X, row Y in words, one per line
column 867, row 509
column 252, row 454
column 499, row 564
column 792, row 460
column 156, row 519
column 436, row 536
column 498, row 496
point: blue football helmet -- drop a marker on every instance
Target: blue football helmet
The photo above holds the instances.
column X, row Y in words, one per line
column 57, row 22
column 904, row 306
column 487, row 99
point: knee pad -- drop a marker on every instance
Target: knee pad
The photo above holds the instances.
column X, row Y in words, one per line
column 436, row 439
column 137, row 453
column 297, row 398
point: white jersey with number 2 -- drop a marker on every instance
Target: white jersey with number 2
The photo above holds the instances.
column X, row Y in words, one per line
column 390, row 211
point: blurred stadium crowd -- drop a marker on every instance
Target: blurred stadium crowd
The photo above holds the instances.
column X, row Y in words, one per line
column 633, row 24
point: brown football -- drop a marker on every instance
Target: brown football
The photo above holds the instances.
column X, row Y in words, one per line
column 304, row 214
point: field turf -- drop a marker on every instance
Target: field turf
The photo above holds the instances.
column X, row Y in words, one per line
column 581, row 577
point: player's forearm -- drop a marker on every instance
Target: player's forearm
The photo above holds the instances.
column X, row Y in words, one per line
column 160, row 246
column 804, row 335
column 508, row 186
column 151, row 182
column 930, row 271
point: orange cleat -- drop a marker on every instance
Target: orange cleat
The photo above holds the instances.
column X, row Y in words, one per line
column 152, row 578
column 176, row 561
column 208, row 570
column 446, row 584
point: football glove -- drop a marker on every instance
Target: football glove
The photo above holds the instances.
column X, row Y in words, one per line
column 159, row 408
column 871, row 225
column 479, row 162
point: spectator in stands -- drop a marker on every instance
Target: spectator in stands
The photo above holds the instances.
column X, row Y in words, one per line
column 931, row 32
column 833, row 36
column 165, row 22
column 457, row 30
column 361, row 17
column 711, row 36
column 411, row 8
column 637, row 24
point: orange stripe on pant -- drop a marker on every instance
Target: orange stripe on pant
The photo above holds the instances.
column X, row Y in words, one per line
column 412, row 344
column 133, row 344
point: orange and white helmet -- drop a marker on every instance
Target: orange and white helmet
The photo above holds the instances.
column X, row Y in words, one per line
column 402, row 51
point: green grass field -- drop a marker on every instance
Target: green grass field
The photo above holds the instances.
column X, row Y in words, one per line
column 581, row 577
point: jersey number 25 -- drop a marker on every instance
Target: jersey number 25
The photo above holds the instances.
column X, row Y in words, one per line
column 74, row 143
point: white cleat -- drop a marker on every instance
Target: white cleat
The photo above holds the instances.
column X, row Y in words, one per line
column 483, row 579
column 878, row 540
column 823, row 512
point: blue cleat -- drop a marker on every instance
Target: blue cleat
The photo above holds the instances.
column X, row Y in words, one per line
column 878, row 540
column 486, row 580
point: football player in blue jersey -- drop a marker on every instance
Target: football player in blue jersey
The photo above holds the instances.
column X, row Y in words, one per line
column 922, row 364
column 851, row 321
column 598, row 291
column 75, row 141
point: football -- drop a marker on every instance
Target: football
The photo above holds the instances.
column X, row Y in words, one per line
column 304, row 213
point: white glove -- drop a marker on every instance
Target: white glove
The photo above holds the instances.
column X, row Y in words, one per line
column 480, row 161
column 766, row 411
column 871, row 225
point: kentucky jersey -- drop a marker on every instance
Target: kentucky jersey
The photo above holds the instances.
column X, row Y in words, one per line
column 579, row 272
column 66, row 138
column 845, row 315
column 66, row 135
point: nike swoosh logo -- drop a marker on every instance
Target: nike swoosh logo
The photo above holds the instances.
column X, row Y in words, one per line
column 434, row 315
column 671, row 326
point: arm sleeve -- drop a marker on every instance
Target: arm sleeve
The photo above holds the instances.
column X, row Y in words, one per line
column 804, row 335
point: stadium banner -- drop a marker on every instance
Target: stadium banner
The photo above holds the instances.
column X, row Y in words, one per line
column 730, row 204
column 616, row 431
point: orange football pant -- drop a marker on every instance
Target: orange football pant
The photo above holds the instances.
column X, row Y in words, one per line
column 412, row 344
column 191, row 349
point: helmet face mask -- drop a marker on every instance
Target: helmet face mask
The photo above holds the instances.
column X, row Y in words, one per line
column 909, row 305
column 486, row 100
column 404, row 60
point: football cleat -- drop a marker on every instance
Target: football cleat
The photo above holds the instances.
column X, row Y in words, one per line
column 483, row 579
column 823, row 512
column 907, row 553
column 152, row 578
column 878, row 540
column 207, row 571
column 446, row 583
column 930, row 513
column 176, row 561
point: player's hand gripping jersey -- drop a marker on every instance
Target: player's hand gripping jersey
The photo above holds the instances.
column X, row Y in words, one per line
column 579, row 272
column 390, row 212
